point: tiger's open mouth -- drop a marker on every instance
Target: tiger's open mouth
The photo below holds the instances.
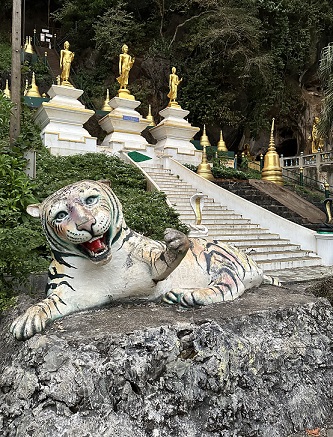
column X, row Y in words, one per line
column 97, row 248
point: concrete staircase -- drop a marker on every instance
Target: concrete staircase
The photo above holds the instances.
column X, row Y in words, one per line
column 270, row 251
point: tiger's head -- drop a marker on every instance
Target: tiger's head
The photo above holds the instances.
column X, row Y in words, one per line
column 82, row 219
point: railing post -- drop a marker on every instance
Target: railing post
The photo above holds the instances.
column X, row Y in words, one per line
column 301, row 177
column 327, row 189
column 261, row 161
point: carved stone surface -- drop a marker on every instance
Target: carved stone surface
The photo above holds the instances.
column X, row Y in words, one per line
column 259, row 366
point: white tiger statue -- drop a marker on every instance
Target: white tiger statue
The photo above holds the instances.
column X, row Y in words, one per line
column 98, row 259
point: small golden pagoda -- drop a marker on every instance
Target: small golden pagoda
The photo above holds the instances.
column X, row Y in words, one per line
column 204, row 169
column 272, row 170
column 33, row 90
column 221, row 147
column 106, row 107
column 28, row 46
column 150, row 118
column 6, row 91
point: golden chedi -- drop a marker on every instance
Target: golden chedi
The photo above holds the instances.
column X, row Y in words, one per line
column 221, row 147
column 272, row 170
column 106, row 107
column 28, row 46
column 6, row 91
column 33, row 91
column 150, row 118
column 204, row 169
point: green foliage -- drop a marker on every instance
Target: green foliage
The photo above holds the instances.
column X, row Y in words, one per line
column 5, row 56
column 222, row 172
column 113, row 28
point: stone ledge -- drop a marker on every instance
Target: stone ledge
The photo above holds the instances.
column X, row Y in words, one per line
column 260, row 366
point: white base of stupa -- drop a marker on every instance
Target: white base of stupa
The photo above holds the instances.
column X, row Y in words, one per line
column 61, row 120
column 173, row 135
column 123, row 126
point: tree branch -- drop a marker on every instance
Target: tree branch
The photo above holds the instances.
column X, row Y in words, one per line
column 185, row 22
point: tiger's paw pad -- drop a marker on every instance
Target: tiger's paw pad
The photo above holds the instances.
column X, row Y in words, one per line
column 30, row 323
column 176, row 240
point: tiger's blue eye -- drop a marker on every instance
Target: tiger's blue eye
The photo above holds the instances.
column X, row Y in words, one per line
column 91, row 200
column 61, row 215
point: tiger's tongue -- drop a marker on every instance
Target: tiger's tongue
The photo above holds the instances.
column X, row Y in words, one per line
column 95, row 246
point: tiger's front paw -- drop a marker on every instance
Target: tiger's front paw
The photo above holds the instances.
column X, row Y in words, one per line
column 30, row 323
column 191, row 297
column 176, row 240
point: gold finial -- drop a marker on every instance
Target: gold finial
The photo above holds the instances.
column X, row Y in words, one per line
column 126, row 62
column 7, row 90
column 106, row 107
column 33, row 90
column 272, row 170
column 204, row 169
column 150, row 117
column 28, row 46
column 204, row 140
column 221, row 147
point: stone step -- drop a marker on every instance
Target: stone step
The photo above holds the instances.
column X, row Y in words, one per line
column 222, row 221
column 289, row 263
column 251, row 240
column 278, row 255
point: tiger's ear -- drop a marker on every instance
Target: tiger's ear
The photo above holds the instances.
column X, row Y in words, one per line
column 105, row 181
column 34, row 210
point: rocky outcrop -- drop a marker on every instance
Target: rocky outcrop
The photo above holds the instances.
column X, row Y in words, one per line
column 260, row 366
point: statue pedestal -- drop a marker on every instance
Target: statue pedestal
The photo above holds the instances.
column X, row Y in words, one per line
column 123, row 126
column 173, row 135
column 62, row 119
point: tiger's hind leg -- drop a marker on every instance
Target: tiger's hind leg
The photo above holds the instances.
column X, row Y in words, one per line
column 192, row 297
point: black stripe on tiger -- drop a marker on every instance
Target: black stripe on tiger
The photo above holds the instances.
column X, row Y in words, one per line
column 232, row 255
column 55, row 275
column 55, row 303
column 54, row 286
column 58, row 256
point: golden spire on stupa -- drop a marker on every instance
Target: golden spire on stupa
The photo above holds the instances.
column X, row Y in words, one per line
column 221, row 147
column 106, row 107
column 33, row 91
column 28, row 46
column 272, row 170
column 204, row 169
column 204, row 140
column 150, row 117
column 6, row 91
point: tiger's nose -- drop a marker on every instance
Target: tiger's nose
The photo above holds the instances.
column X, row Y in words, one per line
column 85, row 223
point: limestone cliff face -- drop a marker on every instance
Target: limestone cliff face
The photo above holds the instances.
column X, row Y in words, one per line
column 260, row 366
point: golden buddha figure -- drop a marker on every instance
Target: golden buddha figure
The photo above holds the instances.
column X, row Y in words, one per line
column 174, row 81
column 66, row 58
column 125, row 64
column 317, row 142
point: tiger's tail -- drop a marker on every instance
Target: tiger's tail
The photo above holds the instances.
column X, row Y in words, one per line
column 272, row 280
